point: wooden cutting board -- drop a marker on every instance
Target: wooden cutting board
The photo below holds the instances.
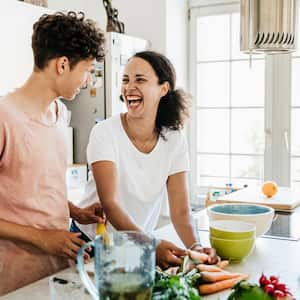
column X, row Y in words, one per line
column 285, row 199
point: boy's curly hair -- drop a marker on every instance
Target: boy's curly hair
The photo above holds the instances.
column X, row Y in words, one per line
column 66, row 34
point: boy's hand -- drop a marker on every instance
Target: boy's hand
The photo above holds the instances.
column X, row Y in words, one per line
column 59, row 242
column 89, row 215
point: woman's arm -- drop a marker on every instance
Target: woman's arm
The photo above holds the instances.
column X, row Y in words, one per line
column 180, row 209
column 105, row 175
column 181, row 217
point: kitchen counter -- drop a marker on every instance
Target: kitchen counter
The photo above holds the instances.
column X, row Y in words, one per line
column 271, row 256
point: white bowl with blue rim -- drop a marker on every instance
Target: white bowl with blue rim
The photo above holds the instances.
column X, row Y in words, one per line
column 259, row 215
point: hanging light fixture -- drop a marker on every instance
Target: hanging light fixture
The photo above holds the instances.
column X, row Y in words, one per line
column 268, row 26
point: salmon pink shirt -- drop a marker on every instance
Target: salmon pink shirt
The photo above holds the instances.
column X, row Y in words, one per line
column 33, row 161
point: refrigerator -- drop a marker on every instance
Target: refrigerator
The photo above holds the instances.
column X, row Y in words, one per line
column 93, row 105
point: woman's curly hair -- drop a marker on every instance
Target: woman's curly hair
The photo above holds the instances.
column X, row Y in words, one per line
column 66, row 34
column 173, row 108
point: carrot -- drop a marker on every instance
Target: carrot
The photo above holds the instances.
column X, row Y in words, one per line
column 189, row 267
column 172, row 270
column 223, row 263
column 210, row 288
column 208, row 268
column 197, row 256
column 218, row 276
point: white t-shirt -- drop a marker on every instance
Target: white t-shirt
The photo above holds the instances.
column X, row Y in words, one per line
column 142, row 178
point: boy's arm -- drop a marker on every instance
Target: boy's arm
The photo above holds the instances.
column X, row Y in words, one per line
column 54, row 242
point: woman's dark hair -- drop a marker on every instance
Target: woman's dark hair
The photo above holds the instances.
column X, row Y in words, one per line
column 66, row 34
column 173, row 107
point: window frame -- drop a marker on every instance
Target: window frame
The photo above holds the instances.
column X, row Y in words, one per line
column 277, row 102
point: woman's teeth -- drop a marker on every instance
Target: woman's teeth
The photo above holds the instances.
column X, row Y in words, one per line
column 134, row 101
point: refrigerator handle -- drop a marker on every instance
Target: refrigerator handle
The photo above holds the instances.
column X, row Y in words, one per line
column 286, row 140
column 117, row 80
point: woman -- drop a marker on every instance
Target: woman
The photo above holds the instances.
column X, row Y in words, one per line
column 137, row 156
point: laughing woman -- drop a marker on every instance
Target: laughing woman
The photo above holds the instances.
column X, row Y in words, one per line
column 138, row 156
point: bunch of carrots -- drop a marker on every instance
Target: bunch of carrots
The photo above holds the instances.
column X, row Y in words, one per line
column 212, row 278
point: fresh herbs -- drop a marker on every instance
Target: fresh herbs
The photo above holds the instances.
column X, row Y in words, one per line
column 176, row 287
column 244, row 290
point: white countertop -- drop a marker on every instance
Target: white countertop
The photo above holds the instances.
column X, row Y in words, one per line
column 271, row 256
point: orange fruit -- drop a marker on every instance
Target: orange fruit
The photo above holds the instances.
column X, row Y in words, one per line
column 269, row 188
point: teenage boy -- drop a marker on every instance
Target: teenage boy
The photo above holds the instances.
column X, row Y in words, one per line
column 34, row 211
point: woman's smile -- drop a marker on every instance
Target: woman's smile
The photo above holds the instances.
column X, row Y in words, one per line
column 134, row 102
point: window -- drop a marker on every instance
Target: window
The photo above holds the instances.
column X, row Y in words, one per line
column 295, row 118
column 229, row 103
column 245, row 120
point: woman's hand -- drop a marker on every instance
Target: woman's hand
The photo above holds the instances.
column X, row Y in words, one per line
column 211, row 252
column 59, row 242
column 167, row 254
column 88, row 215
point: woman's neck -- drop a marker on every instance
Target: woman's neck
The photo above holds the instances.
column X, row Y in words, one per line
column 140, row 129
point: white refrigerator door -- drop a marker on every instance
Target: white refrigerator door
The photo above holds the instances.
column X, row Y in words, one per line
column 86, row 110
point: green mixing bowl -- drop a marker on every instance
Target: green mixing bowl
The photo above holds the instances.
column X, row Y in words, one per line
column 233, row 250
column 231, row 229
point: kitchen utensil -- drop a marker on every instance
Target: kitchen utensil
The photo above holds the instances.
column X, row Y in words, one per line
column 259, row 215
column 228, row 229
column 233, row 250
column 124, row 267
column 101, row 230
column 67, row 286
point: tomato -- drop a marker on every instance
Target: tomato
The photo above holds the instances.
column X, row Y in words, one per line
column 275, row 278
column 280, row 287
column 267, row 281
column 269, row 288
column 279, row 294
column 262, row 279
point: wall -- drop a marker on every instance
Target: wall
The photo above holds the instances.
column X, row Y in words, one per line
column 16, row 59
column 136, row 24
column 93, row 9
column 162, row 22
